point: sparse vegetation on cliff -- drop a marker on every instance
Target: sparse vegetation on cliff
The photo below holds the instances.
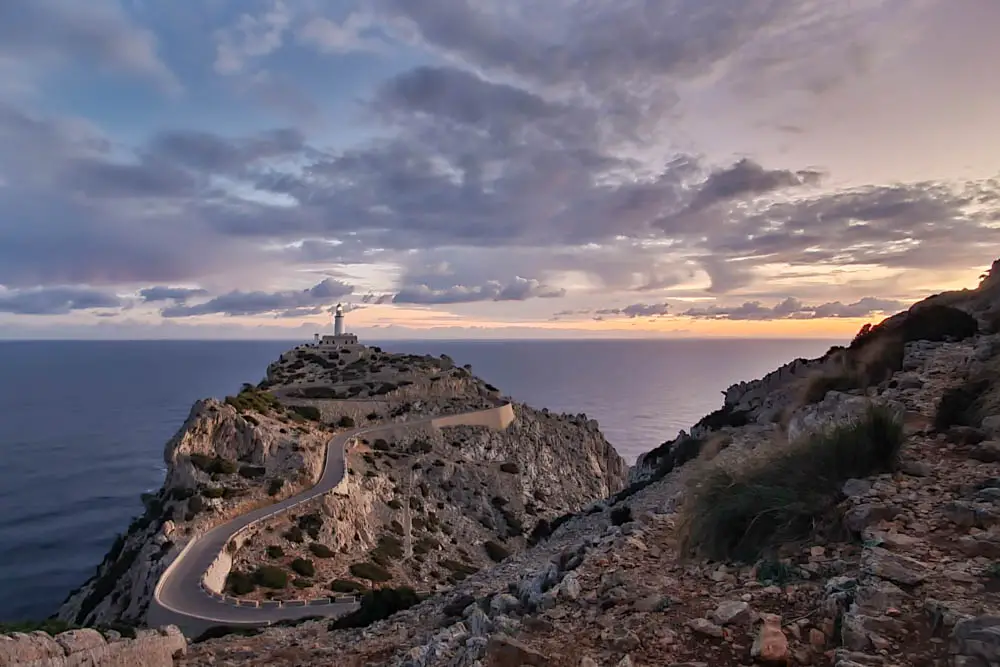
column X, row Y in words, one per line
column 745, row 513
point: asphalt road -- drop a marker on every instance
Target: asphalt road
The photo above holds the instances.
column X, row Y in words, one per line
column 180, row 600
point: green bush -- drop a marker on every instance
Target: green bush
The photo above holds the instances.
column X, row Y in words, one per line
column 196, row 504
column 51, row 626
column 372, row 416
column 274, row 551
column 303, row 566
column 310, row 412
column 213, row 465
column 370, row 571
column 957, row 405
column 425, row 545
column 377, row 605
column 294, row 534
column 740, row 515
column 390, row 547
column 395, row 504
column 346, row 586
column 274, row 486
column 251, row 472
column 311, row 523
column 380, row 445
column 240, row 583
column 270, row 576
column 458, row 569
column 510, row 467
column 251, row 398
column 496, row 551
column 302, row 583
column 321, row 550
column 621, row 514
column 819, row 384
column 345, row 422
column 213, row 491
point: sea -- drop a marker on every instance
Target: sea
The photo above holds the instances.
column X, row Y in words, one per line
column 83, row 424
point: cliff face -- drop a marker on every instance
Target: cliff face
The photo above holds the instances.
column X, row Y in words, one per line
column 897, row 566
column 222, row 461
column 428, row 505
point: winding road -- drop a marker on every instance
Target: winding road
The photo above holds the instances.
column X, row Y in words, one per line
column 180, row 597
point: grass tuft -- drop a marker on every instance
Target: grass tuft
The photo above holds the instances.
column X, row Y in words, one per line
column 743, row 514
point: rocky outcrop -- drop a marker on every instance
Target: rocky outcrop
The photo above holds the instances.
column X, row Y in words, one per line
column 221, row 461
column 454, row 499
column 90, row 648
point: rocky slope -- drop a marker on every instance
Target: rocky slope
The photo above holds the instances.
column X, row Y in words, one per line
column 900, row 568
column 426, row 506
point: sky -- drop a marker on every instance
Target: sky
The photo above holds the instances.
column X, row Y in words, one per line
column 491, row 168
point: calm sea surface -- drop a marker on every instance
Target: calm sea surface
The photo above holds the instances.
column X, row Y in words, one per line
column 83, row 424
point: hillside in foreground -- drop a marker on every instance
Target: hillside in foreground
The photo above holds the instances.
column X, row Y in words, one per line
column 840, row 511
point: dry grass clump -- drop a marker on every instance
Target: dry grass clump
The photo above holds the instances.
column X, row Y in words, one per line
column 742, row 514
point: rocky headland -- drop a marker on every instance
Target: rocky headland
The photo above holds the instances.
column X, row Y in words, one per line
column 843, row 511
column 421, row 506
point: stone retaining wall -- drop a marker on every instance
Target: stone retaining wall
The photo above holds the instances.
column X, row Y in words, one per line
column 89, row 648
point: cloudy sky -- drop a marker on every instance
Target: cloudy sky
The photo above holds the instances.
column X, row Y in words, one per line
column 491, row 168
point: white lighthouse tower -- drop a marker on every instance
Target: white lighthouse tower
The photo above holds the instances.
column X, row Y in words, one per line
column 338, row 321
column 340, row 337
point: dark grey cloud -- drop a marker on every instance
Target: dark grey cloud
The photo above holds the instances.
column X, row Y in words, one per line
column 792, row 308
column 97, row 33
column 164, row 293
column 745, row 179
column 211, row 153
column 638, row 310
column 520, row 289
column 290, row 303
column 55, row 300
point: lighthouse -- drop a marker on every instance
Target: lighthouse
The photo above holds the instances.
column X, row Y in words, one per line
column 340, row 338
column 338, row 320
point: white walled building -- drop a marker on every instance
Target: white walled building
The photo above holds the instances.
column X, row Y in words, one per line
column 339, row 338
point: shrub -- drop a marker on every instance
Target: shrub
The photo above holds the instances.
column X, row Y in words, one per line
column 380, row 445
column 510, row 467
column 541, row 531
column 303, row 566
column 219, row 631
column 621, row 514
column 377, row 605
column 345, row 421
column 957, row 405
column 819, row 384
column 321, row 550
column 50, row 626
column 396, row 527
column 213, row 465
column 213, row 492
column 274, row 486
column 724, row 416
column 310, row 412
column 274, row 551
column 252, row 472
column 196, row 504
column 425, row 545
column 302, row 583
column 370, row 571
column 346, row 586
column 311, row 523
column 395, row 504
column 294, row 534
column 739, row 515
column 270, row 576
column 496, row 551
column 458, row 569
column 240, row 583
column 251, row 398
column 389, row 546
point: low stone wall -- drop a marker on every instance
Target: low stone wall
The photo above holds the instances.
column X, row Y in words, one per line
column 89, row 648
column 498, row 418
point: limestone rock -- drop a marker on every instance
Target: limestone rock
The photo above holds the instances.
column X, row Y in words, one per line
column 703, row 626
column 987, row 451
column 731, row 612
column 864, row 515
column 835, row 409
column 770, row 646
column 978, row 638
column 507, row 652
column 894, row 567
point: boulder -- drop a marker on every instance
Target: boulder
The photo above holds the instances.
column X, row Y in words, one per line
column 703, row 626
column 991, row 426
column 835, row 409
column 731, row 612
column 507, row 652
column 987, row 451
column 977, row 638
column 864, row 515
column 894, row 567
